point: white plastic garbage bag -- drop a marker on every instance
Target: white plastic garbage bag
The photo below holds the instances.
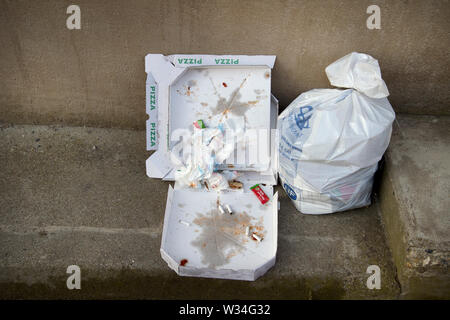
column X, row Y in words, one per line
column 331, row 140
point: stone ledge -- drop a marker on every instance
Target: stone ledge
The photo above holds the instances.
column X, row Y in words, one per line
column 80, row 196
column 415, row 204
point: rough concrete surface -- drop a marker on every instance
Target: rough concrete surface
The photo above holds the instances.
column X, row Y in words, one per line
column 415, row 204
column 80, row 196
column 95, row 76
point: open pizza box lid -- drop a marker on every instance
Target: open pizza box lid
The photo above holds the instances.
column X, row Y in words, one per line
column 198, row 239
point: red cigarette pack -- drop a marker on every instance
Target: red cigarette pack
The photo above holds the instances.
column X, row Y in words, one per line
column 260, row 193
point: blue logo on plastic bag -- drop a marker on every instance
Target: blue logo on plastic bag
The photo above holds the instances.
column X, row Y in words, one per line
column 290, row 192
column 298, row 123
column 302, row 118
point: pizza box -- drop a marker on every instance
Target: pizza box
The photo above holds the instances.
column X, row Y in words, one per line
column 198, row 238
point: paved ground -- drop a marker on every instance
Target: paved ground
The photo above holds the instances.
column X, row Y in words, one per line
column 80, row 196
column 415, row 202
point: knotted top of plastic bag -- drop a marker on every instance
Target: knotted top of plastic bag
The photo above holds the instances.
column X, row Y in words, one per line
column 360, row 72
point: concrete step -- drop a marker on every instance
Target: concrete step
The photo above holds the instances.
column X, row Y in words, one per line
column 415, row 202
column 71, row 195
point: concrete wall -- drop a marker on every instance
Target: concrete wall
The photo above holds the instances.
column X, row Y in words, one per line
column 95, row 76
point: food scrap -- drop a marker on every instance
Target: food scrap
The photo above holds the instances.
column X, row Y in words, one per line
column 183, row 262
column 235, row 184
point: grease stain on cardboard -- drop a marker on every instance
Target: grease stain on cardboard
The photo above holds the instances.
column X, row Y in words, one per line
column 223, row 236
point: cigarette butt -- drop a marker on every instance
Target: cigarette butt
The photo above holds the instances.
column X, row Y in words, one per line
column 247, row 231
column 257, row 237
column 221, row 209
column 229, row 209
column 185, row 223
